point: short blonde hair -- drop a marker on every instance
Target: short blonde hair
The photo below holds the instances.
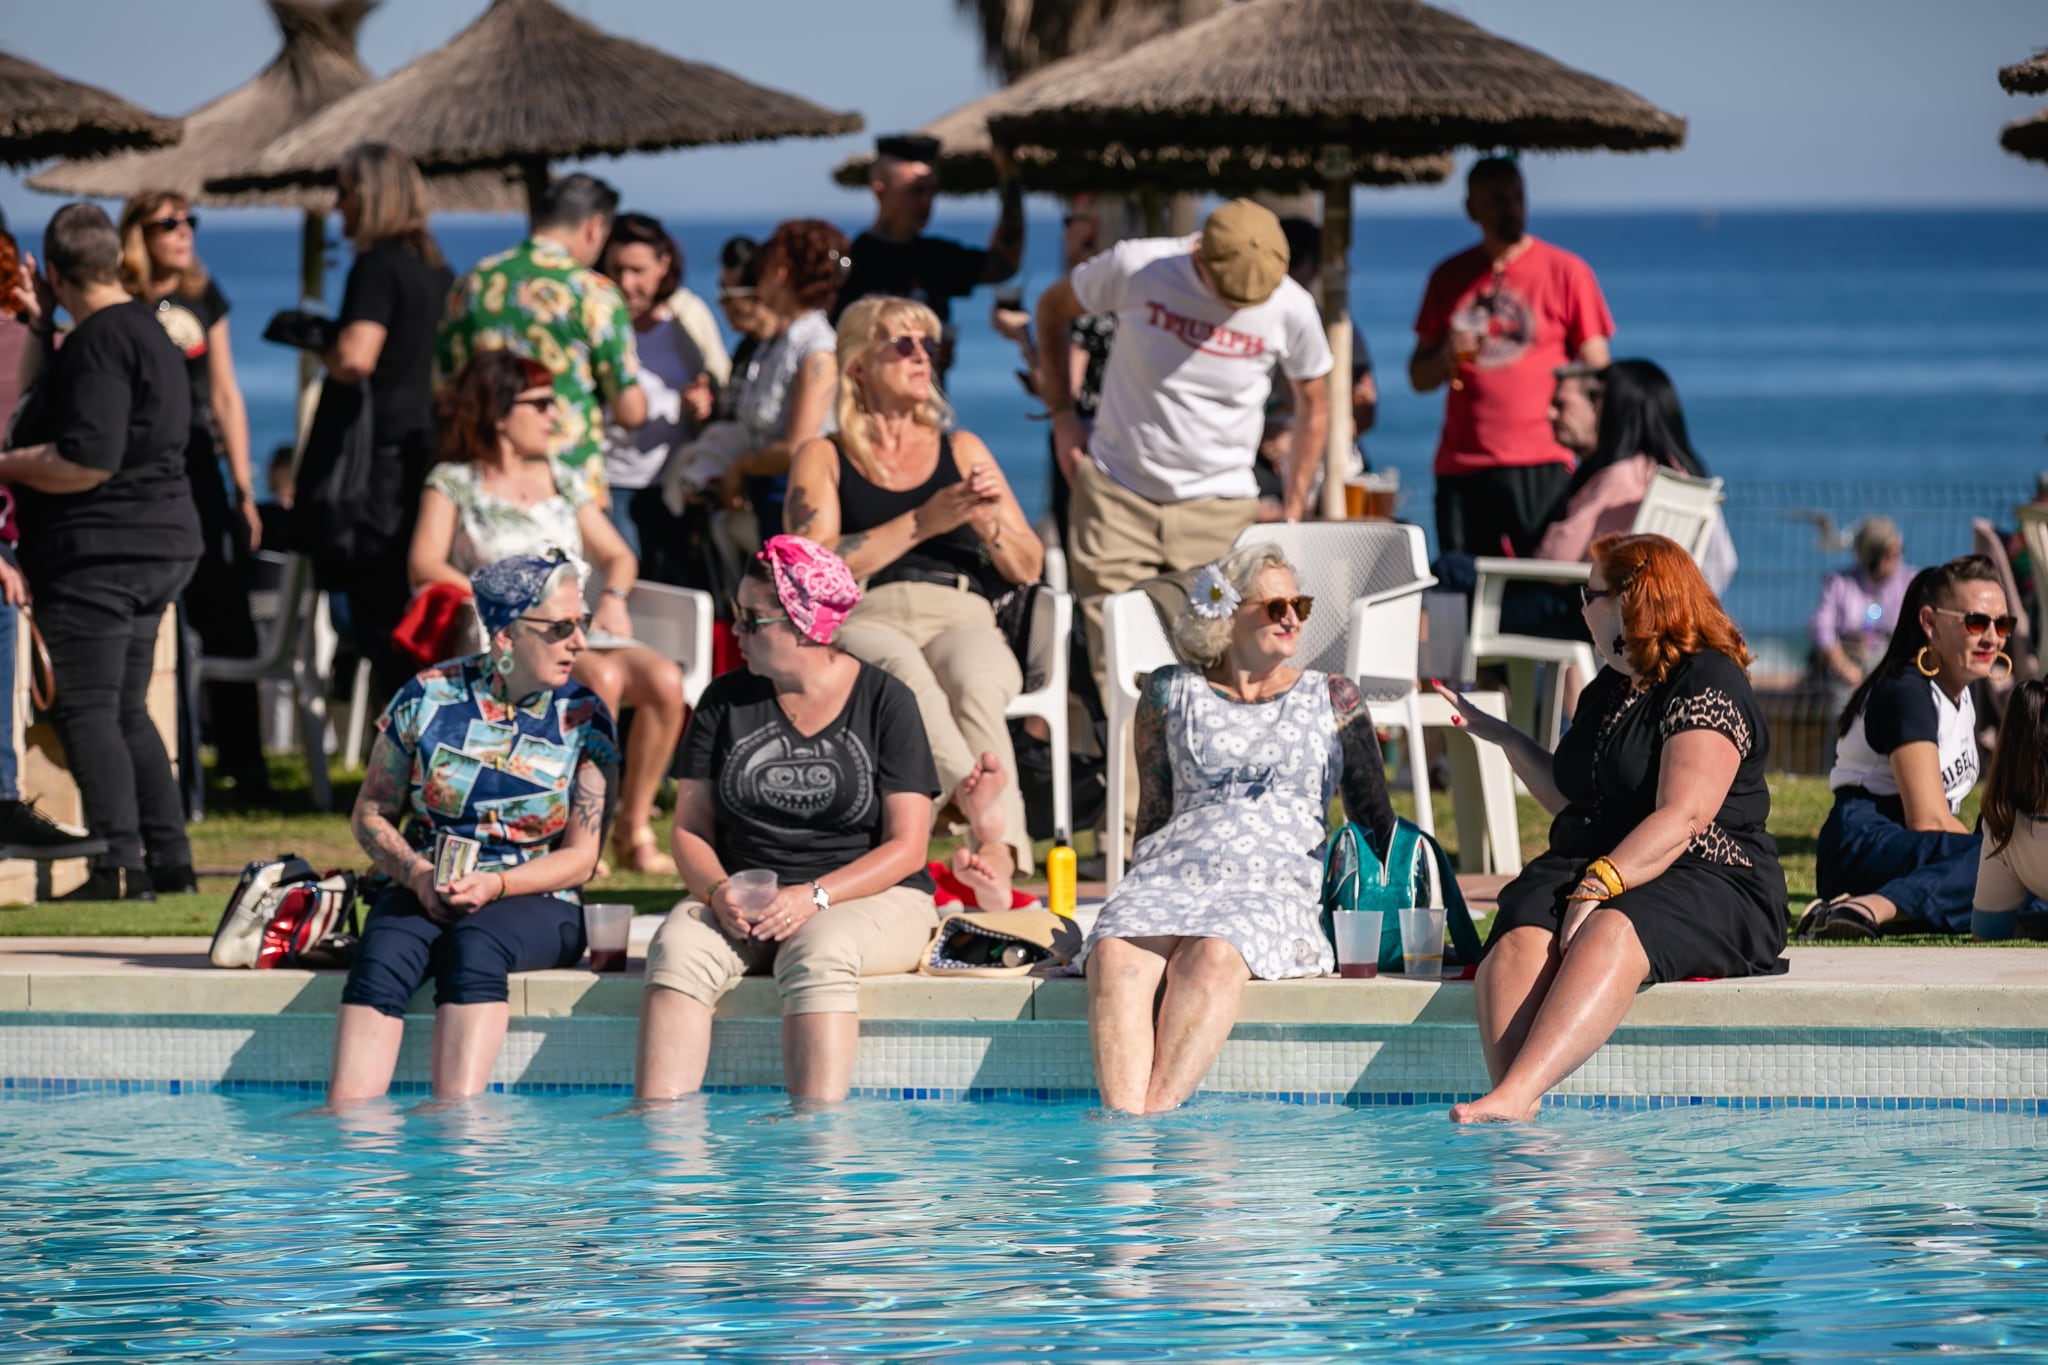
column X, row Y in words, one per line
column 1204, row 640
column 391, row 199
column 862, row 326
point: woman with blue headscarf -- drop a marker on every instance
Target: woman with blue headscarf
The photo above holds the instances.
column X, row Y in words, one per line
column 504, row 750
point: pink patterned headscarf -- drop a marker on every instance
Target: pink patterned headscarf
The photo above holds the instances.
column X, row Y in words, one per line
column 814, row 585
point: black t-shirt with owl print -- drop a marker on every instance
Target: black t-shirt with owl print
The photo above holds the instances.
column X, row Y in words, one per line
column 806, row 805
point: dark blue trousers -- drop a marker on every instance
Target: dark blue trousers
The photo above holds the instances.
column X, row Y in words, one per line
column 469, row 959
column 1930, row 876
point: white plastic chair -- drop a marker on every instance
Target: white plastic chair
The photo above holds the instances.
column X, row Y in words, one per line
column 1052, row 626
column 1677, row 506
column 1133, row 644
column 290, row 641
column 1368, row 579
column 676, row 624
column 2033, row 524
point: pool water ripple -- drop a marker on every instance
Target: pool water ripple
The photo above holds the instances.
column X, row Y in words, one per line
column 530, row 1228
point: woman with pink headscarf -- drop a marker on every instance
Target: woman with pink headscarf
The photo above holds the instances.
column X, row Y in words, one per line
column 813, row 766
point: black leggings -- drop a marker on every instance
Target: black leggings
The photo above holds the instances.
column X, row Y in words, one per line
column 469, row 959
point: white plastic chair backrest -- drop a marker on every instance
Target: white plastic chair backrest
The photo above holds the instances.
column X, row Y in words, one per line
column 1986, row 541
column 1337, row 562
column 1052, row 618
column 667, row 620
column 283, row 612
column 1133, row 643
column 1681, row 508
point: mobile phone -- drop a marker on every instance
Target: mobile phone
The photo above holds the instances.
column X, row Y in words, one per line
column 1011, row 297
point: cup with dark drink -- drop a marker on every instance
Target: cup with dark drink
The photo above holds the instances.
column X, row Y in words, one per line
column 607, row 928
column 1358, row 942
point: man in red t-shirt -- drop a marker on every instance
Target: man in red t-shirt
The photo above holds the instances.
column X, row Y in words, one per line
column 1496, row 321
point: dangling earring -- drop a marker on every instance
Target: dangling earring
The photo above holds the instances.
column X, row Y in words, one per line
column 2006, row 659
column 503, row 663
column 1920, row 662
column 1620, row 646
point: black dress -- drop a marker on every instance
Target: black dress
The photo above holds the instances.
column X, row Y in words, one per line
column 1719, row 910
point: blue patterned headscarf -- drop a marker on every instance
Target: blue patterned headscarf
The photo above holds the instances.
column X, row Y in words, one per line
column 512, row 587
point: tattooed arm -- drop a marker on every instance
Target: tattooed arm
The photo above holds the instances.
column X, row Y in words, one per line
column 375, row 822
column 1363, row 785
column 1155, row 757
column 574, row 858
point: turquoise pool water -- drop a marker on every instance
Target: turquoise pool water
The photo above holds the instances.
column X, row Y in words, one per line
column 542, row 1228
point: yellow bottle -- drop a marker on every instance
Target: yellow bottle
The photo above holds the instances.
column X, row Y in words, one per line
column 1059, row 878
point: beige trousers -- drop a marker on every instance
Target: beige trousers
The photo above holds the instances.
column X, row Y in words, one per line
column 943, row 644
column 817, row 969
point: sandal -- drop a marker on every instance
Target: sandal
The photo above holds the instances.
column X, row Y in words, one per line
column 1838, row 918
column 1807, row 930
column 642, row 854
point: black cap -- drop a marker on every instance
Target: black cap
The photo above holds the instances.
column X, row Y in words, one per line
column 908, row 147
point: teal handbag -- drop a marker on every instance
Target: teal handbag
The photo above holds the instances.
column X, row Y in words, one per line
column 1355, row 879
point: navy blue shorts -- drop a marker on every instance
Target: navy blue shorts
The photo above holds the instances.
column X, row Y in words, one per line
column 469, row 959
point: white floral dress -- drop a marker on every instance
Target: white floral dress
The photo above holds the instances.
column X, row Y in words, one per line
column 1241, row 858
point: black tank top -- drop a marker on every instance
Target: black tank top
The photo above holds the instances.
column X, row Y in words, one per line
column 864, row 505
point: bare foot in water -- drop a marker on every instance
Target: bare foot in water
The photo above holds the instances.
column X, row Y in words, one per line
column 1488, row 1108
column 991, row 890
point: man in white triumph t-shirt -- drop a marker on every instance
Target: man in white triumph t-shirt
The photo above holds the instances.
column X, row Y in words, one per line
column 1164, row 482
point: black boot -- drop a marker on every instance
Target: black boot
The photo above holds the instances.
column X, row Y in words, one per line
column 26, row 832
column 174, row 881
column 112, row 884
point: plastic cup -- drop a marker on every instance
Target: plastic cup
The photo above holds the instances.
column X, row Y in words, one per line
column 607, row 927
column 1358, row 942
column 1422, row 942
column 752, row 891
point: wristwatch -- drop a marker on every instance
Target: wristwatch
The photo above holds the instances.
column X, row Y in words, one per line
column 820, row 897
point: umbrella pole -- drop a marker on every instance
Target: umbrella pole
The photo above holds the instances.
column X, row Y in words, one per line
column 1336, row 168
column 534, row 171
column 312, row 285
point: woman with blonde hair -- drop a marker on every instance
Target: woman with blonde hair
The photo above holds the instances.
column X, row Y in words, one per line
column 396, row 293
column 1239, row 755
column 160, row 266
column 926, row 520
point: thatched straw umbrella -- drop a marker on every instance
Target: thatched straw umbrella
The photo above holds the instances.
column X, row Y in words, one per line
column 2029, row 77
column 529, row 83
column 44, row 115
column 1338, row 78
column 2027, row 137
column 316, row 66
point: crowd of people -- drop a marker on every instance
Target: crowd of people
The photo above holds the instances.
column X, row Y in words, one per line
column 526, row 443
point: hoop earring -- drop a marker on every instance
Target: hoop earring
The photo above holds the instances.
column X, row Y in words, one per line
column 1920, row 662
column 504, row 664
column 2005, row 659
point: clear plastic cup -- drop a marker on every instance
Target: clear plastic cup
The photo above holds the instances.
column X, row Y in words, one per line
column 607, row 928
column 1358, row 942
column 752, row 891
column 1422, row 942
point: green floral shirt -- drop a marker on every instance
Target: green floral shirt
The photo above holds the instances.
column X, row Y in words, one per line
column 536, row 300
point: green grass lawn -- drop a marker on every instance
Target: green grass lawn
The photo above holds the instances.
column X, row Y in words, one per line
column 232, row 834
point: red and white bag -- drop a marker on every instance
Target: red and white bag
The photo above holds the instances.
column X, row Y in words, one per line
column 283, row 914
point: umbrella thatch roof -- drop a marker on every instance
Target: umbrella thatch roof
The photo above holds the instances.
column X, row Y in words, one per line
column 529, row 82
column 1391, row 76
column 2027, row 137
column 44, row 115
column 317, row 66
column 2029, row 77
column 965, row 166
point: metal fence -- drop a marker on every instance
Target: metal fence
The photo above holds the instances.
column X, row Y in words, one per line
column 1790, row 535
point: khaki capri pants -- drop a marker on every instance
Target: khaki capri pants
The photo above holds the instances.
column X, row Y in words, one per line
column 943, row 644
column 817, row 969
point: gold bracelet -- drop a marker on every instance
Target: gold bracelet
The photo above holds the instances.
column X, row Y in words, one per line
column 1608, row 874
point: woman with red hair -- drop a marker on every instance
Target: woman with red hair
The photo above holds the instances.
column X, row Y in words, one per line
column 1659, row 867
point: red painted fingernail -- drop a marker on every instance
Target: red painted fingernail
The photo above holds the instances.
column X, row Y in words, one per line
column 1436, row 682
column 1457, row 720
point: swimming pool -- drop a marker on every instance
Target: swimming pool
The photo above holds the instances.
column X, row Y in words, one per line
column 563, row 1228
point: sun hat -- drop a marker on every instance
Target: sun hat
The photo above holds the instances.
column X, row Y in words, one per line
column 1244, row 252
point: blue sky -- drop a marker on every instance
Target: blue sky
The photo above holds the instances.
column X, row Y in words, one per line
column 1813, row 103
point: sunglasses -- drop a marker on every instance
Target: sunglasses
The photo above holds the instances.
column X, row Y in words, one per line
column 554, row 630
column 907, row 346
column 1278, row 607
column 741, row 292
column 542, row 404
column 1588, row 594
column 1977, row 622
column 172, row 224
column 745, row 622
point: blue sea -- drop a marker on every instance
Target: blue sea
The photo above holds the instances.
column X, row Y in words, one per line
column 1831, row 364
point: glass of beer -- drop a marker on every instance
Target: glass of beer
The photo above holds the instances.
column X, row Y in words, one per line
column 1378, row 492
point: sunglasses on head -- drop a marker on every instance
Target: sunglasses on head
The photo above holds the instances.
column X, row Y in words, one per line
column 555, row 630
column 545, row 403
column 1977, row 622
column 908, row 346
column 744, row 622
column 1278, row 607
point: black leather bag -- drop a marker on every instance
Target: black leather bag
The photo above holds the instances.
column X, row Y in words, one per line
column 337, row 516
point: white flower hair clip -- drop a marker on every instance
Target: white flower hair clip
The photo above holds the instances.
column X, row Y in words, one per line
column 1213, row 596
